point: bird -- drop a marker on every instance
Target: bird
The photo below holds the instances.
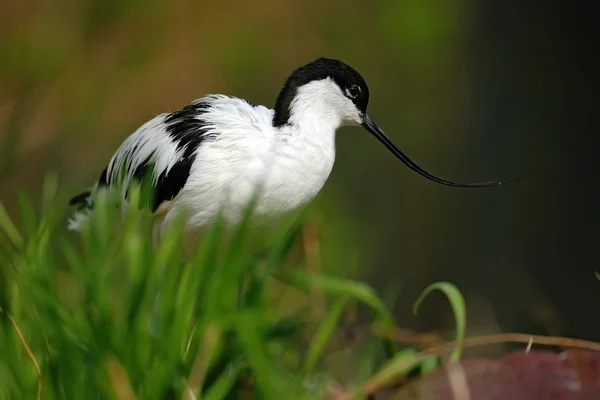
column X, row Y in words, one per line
column 220, row 152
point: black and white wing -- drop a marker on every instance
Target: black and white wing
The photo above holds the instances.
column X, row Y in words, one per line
column 163, row 150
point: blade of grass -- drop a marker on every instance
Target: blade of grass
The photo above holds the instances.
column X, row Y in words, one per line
column 119, row 379
column 9, row 228
column 458, row 308
column 29, row 353
column 28, row 214
column 271, row 381
column 49, row 191
column 352, row 289
column 209, row 348
column 402, row 363
column 323, row 334
column 225, row 382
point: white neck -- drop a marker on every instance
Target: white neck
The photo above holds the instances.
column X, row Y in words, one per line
column 320, row 108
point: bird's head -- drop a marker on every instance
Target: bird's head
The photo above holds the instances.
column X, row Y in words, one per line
column 328, row 91
column 338, row 90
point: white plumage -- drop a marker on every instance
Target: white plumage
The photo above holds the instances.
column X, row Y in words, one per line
column 219, row 150
column 242, row 151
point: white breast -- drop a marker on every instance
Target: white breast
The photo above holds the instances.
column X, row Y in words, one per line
column 289, row 165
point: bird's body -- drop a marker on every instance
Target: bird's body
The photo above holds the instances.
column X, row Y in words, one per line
column 217, row 152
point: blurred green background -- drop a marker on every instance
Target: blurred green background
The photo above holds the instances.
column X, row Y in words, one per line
column 471, row 90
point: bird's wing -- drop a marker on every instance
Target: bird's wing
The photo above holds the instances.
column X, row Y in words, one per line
column 162, row 150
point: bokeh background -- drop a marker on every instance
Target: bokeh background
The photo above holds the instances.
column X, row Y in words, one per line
column 472, row 90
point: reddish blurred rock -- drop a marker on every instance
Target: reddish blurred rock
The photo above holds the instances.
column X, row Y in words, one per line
column 543, row 375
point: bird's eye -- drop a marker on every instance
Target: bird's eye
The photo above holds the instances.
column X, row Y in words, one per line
column 353, row 91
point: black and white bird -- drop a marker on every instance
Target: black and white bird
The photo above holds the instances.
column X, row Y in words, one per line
column 220, row 149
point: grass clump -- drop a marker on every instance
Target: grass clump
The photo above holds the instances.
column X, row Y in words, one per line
column 107, row 315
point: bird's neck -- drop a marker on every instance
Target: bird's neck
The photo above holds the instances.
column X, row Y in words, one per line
column 313, row 117
column 310, row 108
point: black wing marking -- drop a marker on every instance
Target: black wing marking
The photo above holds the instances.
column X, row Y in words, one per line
column 187, row 131
column 82, row 200
column 168, row 185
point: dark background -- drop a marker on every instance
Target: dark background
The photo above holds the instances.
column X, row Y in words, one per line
column 471, row 90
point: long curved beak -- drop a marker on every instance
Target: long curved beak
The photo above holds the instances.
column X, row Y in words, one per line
column 376, row 131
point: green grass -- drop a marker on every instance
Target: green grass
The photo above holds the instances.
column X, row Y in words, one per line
column 76, row 309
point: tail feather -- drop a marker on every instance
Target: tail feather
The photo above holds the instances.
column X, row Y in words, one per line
column 82, row 214
column 80, row 199
column 79, row 220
